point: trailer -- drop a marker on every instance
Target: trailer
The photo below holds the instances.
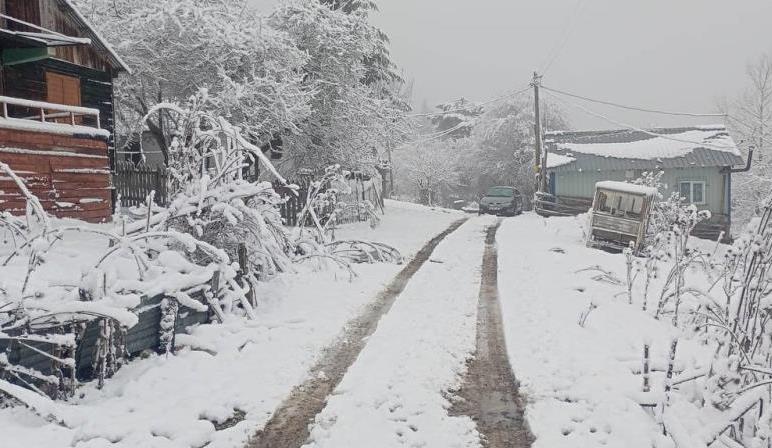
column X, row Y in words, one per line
column 619, row 215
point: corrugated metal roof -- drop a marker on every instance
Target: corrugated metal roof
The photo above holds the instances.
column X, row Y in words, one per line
column 705, row 146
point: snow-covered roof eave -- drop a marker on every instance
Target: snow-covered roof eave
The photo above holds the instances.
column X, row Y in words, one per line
column 50, row 38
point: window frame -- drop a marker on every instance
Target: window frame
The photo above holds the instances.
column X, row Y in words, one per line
column 692, row 183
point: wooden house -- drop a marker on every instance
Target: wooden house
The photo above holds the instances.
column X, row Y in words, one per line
column 56, row 95
column 697, row 162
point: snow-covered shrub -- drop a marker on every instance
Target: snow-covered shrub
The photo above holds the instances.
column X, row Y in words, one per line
column 722, row 300
column 738, row 326
column 105, row 287
column 665, row 210
column 211, row 199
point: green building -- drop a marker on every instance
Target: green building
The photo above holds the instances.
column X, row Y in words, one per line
column 697, row 162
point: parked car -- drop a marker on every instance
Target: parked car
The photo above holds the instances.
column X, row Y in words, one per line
column 502, row 201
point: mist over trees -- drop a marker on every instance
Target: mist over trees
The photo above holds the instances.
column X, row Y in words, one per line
column 480, row 147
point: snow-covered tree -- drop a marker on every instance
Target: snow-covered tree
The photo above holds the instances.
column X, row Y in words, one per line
column 456, row 119
column 430, row 168
column 750, row 121
column 176, row 47
column 500, row 148
column 351, row 118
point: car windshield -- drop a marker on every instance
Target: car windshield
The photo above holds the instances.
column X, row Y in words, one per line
column 501, row 192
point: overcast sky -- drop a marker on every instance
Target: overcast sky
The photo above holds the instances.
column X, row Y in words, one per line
column 670, row 54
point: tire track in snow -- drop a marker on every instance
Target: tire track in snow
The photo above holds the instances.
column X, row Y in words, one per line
column 490, row 392
column 289, row 425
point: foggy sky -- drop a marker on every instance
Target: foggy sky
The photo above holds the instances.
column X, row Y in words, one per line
column 668, row 54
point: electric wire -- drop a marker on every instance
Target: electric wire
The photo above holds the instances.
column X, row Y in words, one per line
column 635, row 108
column 567, row 29
column 656, row 111
column 635, row 128
column 432, row 137
column 750, row 128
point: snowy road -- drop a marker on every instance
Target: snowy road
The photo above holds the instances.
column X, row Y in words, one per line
column 579, row 380
column 289, row 424
column 415, row 380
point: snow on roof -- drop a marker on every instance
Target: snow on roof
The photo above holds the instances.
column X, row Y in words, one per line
column 627, row 187
column 660, row 146
column 555, row 160
column 696, row 146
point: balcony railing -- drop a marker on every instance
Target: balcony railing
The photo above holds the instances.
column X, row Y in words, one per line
column 44, row 112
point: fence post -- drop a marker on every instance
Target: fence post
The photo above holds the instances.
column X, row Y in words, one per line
column 245, row 273
column 212, row 297
column 160, row 186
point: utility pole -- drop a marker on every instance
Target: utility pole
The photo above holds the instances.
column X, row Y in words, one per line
column 540, row 156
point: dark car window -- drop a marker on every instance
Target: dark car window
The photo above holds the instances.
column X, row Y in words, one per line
column 501, row 192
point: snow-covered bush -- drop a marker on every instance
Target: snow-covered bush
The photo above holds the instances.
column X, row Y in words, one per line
column 106, row 287
column 210, row 198
column 178, row 253
column 723, row 300
column 665, row 210
column 738, row 326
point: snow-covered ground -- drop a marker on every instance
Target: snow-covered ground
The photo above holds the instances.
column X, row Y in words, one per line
column 175, row 401
column 395, row 394
column 581, row 384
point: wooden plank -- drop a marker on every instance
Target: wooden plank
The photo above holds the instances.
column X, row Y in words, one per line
column 26, row 161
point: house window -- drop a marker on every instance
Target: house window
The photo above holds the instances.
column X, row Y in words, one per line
column 620, row 204
column 693, row 192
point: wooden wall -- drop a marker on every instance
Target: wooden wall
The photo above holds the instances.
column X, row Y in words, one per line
column 28, row 81
column 53, row 17
column 69, row 174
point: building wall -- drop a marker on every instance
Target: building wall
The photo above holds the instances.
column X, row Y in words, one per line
column 582, row 184
column 53, row 17
column 28, row 81
column 69, row 174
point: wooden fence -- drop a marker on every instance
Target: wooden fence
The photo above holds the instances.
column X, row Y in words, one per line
column 353, row 211
column 294, row 200
column 133, row 183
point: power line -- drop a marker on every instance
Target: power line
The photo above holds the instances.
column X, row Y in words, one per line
column 460, row 125
column 750, row 128
column 635, row 108
column 493, row 100
column 641, row 109
column 433, row 137
column 567, row 29
column 634, row 128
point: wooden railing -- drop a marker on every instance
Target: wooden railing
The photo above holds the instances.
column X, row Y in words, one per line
column 41, row 111
column 546, row 204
